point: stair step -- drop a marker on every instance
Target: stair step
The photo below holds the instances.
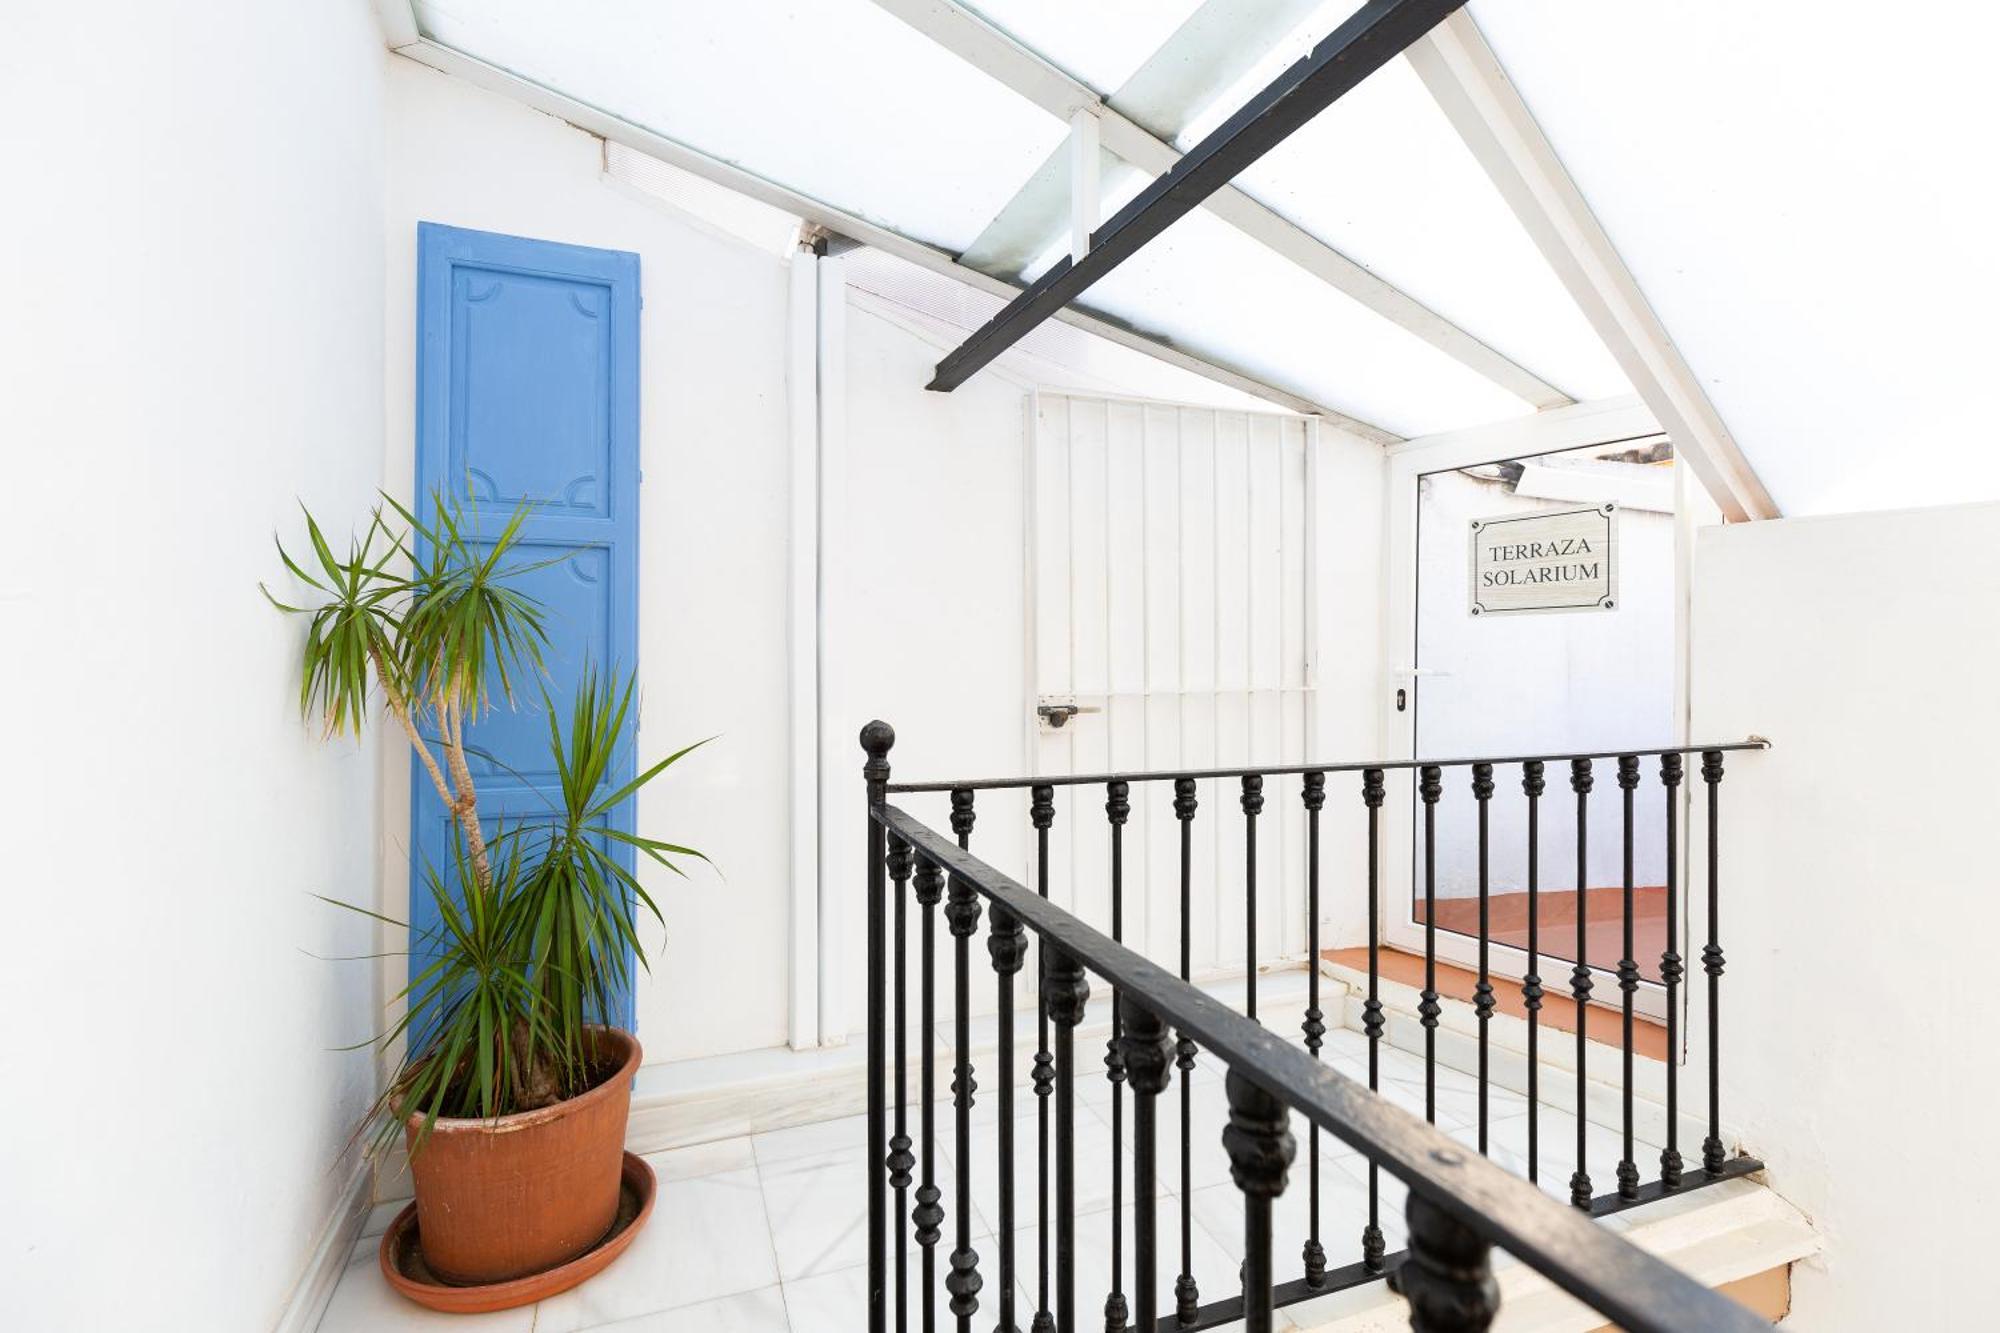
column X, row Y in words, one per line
column 1736, row 1236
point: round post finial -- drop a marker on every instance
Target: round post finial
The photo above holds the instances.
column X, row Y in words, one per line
column 876, row 739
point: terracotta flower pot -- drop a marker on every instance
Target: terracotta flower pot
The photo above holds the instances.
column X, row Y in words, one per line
column 500, row 1199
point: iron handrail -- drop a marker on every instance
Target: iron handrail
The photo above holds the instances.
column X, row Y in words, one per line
column 1277, row 770
column 1605, row 1271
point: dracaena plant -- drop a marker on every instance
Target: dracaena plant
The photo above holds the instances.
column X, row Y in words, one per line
column 535, row 922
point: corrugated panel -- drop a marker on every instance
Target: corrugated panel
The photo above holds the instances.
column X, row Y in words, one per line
column 1172, row 578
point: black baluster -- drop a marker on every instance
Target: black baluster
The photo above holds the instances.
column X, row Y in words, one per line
column 1145, row 1052
column 1007, row 945
column 1533, row 784
column 1314, row 1027
column 1430, row 787
column 1713, row 1159
column 1067, row 991
column 1671, row 972
column 929, row 1214
column 1259, row 1142
column 962, row 819
column 1482, row 993
column 962, row 815
column 1042, row 813
column 1628, row 976
column 901, row 1161
column 1580, row 782
column 1117, row 809
column 1253, row 805
column 876, row 739
column 1447, row 1276
column 1187, row 1295
column 962, row 913
column 1372, row 792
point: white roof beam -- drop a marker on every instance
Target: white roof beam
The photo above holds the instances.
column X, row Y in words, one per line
column 1465, row 78
column 399, row 22
column 603, row 124
column 987, row 48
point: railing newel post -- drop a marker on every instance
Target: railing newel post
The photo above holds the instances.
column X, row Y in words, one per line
column 877, row 738
column 901, row 1160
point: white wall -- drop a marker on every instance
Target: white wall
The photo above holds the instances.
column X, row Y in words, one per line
column 192, row 259
column 713, row 531
column 1858, row 902
column 922, row 593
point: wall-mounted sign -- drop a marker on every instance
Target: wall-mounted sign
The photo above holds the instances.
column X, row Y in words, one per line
column 1548, row 560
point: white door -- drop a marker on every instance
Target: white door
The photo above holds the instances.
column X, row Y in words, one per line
column 1170, row 563
column 1464, row 685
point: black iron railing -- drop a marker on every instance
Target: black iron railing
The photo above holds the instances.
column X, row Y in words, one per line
column 1460, row 1205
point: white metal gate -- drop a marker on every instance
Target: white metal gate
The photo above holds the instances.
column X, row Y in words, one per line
column 1170, row 600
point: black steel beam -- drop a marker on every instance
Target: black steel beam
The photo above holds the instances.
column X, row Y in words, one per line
column 1375, row 34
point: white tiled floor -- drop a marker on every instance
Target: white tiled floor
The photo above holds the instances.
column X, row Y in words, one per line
column 766, row 1234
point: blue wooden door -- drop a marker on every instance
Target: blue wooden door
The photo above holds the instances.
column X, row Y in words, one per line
column 528, row 391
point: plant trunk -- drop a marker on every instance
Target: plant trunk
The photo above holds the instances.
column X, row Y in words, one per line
column 541, row 1086
column 451, row 722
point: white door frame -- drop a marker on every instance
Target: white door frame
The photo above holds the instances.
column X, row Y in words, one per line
column 1608, row 421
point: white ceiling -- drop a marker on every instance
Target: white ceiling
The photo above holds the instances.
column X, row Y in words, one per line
column 1804, row 192
column 1809, row 195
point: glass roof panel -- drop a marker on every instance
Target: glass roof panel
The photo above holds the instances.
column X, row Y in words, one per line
column 836, row 99
column 1100, row 43
column 1211, row 290
column 1383, row 178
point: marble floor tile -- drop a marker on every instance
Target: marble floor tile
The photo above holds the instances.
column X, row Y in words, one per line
column 746, row 1312
column 708, row 1238
column 818, row 1210
column 826, row 1138
column 837, row 1302
column 364, row 1302
column 703, row 1159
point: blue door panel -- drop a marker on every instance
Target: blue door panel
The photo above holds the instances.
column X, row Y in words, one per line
column 527, row 392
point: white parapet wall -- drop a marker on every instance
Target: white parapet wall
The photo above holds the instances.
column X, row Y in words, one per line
column 1858, row 901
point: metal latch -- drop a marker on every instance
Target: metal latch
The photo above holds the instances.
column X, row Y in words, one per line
column 1055, row 715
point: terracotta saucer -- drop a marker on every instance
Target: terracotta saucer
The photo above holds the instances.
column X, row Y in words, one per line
column 403, row 1258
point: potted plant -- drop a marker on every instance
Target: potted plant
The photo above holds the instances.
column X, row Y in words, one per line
column 510, row 1097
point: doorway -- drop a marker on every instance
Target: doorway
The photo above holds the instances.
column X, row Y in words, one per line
column 1546, row 657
